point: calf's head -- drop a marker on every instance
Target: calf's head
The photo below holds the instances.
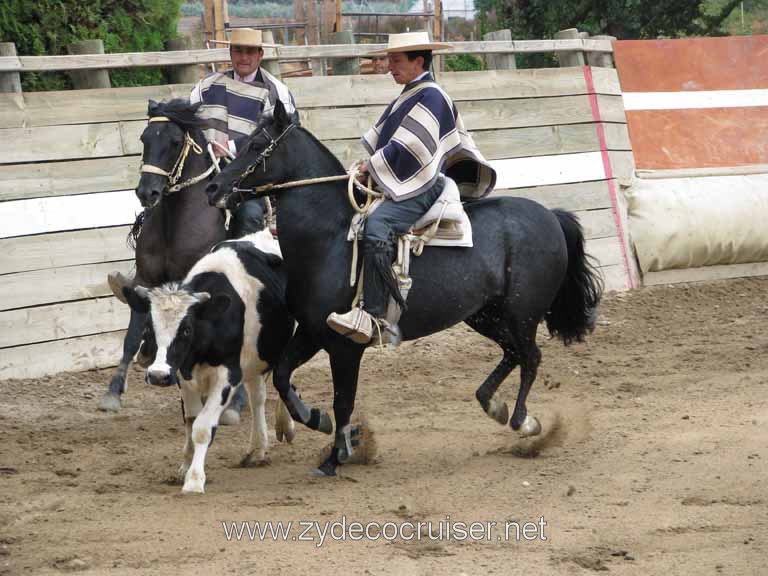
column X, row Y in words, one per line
column 181, row 321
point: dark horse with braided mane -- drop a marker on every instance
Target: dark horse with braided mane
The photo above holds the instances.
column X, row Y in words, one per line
column 178, row 226
column 527, row 265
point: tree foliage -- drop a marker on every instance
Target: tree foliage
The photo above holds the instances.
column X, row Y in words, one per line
column 46, row 27
column 625, row 19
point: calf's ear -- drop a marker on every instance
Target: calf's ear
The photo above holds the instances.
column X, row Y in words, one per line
column 137, row 298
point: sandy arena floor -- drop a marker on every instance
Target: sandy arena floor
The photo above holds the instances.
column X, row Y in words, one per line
column 654, row 460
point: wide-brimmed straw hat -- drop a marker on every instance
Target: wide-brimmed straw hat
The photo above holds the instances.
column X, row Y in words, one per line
column 409, row 42
column 245, row 37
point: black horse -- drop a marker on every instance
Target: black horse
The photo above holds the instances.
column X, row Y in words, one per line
column 178, row 226
column 527, row 265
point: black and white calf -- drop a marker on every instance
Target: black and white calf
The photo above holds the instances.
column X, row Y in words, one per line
column 225, row 324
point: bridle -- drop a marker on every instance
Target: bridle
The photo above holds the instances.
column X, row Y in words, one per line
column 174, row 174
column 261, row 159
column 263, row 190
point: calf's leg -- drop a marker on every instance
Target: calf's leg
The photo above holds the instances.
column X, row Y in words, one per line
column 204, row 427
column 259, row 441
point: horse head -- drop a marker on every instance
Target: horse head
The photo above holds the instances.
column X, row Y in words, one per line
column 165, row 140
column 253, row 166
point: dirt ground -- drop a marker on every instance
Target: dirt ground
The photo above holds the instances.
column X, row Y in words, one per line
column 654, row 460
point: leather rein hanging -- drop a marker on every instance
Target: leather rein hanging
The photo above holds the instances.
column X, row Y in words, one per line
column 178, row 167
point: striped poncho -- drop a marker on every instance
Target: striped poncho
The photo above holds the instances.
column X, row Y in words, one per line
column 231, row 108
column 419, row 136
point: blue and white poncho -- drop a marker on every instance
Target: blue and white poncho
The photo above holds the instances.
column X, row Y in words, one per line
column 231, row 108
column 419, row 136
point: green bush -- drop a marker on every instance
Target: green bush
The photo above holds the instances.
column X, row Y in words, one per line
column 463, row 63
column 46, row 27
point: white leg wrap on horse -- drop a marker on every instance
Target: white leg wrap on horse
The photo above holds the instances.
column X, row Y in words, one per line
column 531, row 427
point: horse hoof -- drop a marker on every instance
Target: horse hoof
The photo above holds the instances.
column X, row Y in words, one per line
column 110, row 403
column 531, row 427
column 290, row 434
column 324, row 471
column 499, row 411
column 230, row 417
column 249, row 462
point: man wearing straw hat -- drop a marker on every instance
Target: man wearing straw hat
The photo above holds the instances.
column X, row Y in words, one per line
column 233, row 101
column 419, row 138
column 231, row 105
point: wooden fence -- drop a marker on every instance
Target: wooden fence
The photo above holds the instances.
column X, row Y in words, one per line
column 69, row 162
column 181, row 57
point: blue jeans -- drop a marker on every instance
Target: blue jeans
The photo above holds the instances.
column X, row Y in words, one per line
column 393, row 219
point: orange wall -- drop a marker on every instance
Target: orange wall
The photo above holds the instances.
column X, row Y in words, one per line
column 696, row 138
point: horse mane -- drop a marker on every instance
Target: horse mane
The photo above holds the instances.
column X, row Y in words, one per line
column 180, row 111
column 339, row 166
column 265, row 121
column 135, row 231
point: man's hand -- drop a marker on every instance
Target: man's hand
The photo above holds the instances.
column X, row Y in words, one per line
column 362, row 172
column 220, row 151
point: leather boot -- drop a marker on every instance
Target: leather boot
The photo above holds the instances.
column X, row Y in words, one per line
column 361, row 325
column 117, row 281
column 357, row 325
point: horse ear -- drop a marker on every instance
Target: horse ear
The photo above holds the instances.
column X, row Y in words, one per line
column 152, row 107
column 280, row 116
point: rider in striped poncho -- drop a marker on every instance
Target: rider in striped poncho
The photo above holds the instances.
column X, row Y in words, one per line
column 419, row 137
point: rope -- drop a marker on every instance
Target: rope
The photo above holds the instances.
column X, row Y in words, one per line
column 425, row 237
column 191, row 181
column 306, row 182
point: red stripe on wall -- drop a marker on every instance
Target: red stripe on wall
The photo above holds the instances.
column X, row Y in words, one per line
column 595, row 106
column 732, row 63
column 712, row 137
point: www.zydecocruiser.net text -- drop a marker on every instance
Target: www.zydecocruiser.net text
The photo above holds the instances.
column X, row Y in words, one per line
column 344, row 530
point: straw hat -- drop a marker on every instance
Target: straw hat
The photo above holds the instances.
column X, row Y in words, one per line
column 409, row 42
column 245, row 37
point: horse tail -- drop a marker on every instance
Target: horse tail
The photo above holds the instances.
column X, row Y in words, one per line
column 574, row 310
column 135, row 231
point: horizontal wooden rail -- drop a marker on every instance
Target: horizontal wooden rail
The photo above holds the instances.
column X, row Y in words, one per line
column 183, row 57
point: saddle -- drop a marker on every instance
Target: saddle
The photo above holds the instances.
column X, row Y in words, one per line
column 445, row 223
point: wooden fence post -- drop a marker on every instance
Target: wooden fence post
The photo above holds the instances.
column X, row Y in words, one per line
column 569, row 58
column 601, row 59
column 83, row 79
column 271, row 66
column 337, row 19
column 9, row 81
column 187, row 74
column 344, row 66
column 313, row 32
column 499, row 61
